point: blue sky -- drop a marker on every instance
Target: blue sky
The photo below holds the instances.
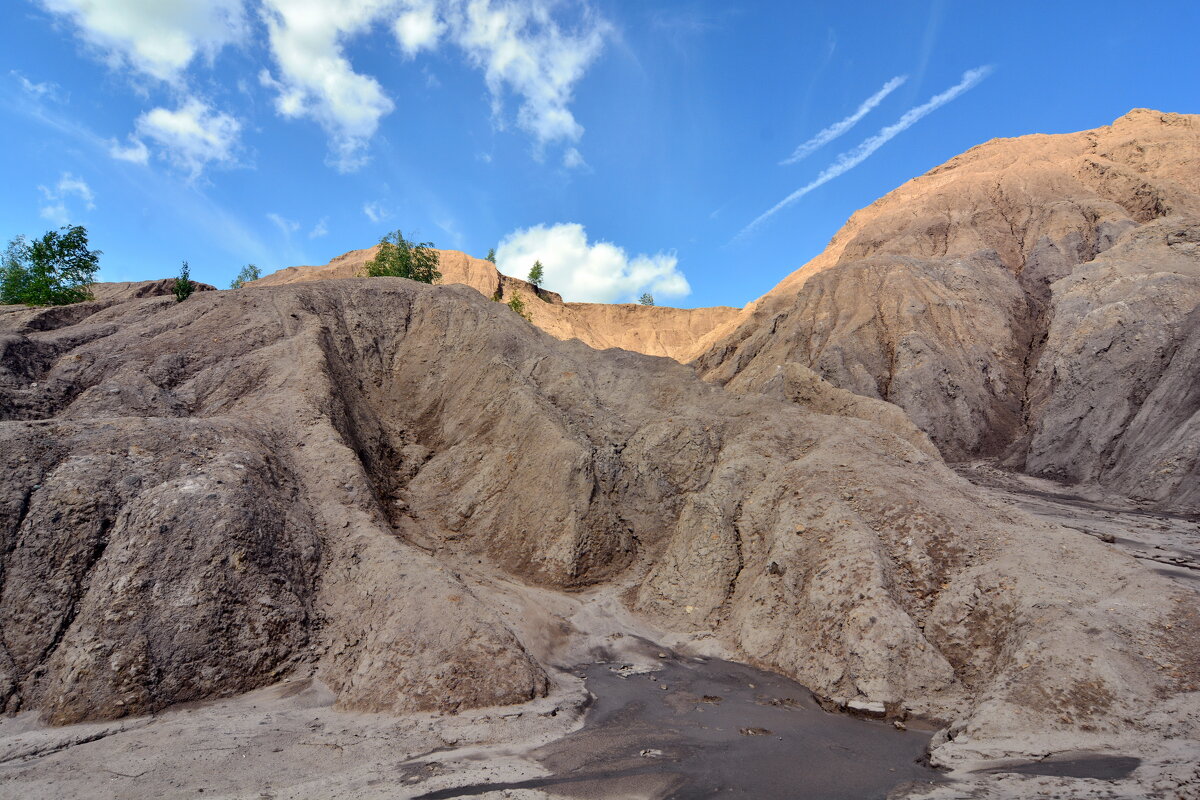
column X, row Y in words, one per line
column 630, row 146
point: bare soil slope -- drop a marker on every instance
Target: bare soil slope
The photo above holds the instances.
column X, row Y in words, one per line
column 199, row 499
column 1034, row 298
column 678, row 333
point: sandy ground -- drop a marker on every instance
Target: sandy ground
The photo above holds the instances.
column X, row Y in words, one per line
column 662, row 720
column 634, row 712
column 1167, row 543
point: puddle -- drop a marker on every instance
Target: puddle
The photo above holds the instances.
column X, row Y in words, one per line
column 1098, row 767
column 695, row 729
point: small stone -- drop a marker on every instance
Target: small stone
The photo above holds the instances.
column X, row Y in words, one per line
column 754, row 732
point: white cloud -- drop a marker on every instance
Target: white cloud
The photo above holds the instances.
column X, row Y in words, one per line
column 192, row 136
column 418, row 27
column 320, row 229
column 317, row 81
column 852, row 158
column 601, row 272
column 155, row 37
column 287, row 226
column 375, row 212
column 573, row 159
column 518, row 44
column 136, row 151
column 56, row 198
column 46, row 89
column 522, row 49
column 842, row 126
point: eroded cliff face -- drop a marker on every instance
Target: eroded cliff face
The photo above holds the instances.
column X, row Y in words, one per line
column 678, row 333
column 199, row 498
column 976, row 298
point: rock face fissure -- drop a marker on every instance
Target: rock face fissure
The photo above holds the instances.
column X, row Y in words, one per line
column 1026, row 300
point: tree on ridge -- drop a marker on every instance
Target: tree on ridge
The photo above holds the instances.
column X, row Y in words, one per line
column 400, row 258
column 54, row 270
column 536, row 273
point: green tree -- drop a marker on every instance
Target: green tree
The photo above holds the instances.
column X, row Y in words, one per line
column 536, row 273
column 518, row 305
column 491, row 256
column 184, row 285
column 400, row 258
column 646, row 299
column 248, row 273
column 54, row 270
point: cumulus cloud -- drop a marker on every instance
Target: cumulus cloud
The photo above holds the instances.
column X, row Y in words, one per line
column 158, row 38
column 317, row 81
column 522, row 49
column 520, row 46
column 599, row 272
column 852, row 158
column 418, row 27
column 192, row 136
column 135, row 152
column 56, row 198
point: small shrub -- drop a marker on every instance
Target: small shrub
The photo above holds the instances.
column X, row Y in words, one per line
column 646, row 299
column 248, row 273
column 184, row 285
column 518, row 305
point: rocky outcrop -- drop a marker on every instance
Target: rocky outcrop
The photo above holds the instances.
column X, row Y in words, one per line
column 678, row 333
column 1115, row 398
column 198, row 498
column 976, row 297
column 131, row 290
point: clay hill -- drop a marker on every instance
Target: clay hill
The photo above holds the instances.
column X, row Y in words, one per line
column 1033, row 299
column 349, row 481
column 677, row 333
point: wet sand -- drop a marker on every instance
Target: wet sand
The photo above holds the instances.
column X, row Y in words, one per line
column 693, row 728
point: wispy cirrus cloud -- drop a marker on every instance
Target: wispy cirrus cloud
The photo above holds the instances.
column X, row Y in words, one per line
column 852, row 158
column 375, row 212
column 286, row 226
column 46, row 90
column 842, row 126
